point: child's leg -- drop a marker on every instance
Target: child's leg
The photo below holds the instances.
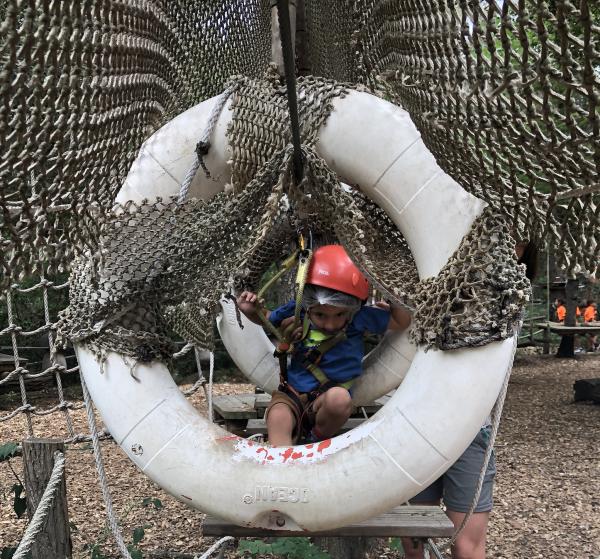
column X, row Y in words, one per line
column 332, row 409
column 280, row 424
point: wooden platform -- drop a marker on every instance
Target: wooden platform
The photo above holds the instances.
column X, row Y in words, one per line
column 243, row 414
column 409, row 521
column 562, row 330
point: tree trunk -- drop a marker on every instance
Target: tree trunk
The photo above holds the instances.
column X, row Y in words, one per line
column 567, row 343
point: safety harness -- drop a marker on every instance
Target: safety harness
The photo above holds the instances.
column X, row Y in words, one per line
column 286, row 346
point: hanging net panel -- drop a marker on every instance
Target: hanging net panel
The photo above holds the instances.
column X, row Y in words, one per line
column 505, row 95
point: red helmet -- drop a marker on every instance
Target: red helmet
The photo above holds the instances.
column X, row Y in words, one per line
column 331, row 267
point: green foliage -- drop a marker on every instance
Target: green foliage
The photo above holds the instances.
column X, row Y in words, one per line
column 95, row 550
column 19, row 502
column 8, row 450
column 292, row 548
column 137, row 536
column 149, row 501
column 7, row 552
column 396, row 543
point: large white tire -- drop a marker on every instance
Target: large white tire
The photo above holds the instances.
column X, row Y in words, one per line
column 419, row 433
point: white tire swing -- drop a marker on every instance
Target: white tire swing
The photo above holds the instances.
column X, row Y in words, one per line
column 433, row 416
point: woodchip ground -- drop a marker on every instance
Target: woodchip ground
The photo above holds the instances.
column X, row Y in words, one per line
column 547, row 496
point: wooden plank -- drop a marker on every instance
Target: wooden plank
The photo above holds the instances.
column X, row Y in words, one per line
column 562, row 330
column 262, row 401
column 403, row 521
column 239, row 406
column 259, row 425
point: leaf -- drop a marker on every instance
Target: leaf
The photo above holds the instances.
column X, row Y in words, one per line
column 138, row 535
column 19, row 503
column 135, row 552
column 396, row 543
column 8, row 450
column 156, row 503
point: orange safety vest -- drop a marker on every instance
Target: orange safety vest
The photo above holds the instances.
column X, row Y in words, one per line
column 590, row 314
column 561, row 312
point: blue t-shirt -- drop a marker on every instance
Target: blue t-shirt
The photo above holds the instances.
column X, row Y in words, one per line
column 344, row 360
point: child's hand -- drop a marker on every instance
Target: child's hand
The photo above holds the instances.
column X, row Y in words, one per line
column 247, row 302
column 382, row 305
column 297, row 333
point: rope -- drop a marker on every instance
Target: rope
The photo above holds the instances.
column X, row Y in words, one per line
column 54, row 365
column 283, row 13
column 210, row 387
column 111, row 519
column 201, row 380
column 214, row 547
column 25, row 406
column 43, row 508
column 203, row 145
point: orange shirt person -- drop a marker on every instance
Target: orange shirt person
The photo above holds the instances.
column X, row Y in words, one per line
column 561, row 311
column 589, row 315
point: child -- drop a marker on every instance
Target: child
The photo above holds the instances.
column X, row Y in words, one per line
column 336, row 321
column 561, row 310
column 589, row 315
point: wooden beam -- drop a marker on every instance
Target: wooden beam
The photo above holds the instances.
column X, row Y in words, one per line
column 54, row 541
column 404, row 521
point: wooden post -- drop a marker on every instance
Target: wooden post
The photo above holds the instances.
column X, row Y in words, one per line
column 54, row 541
column 546, row 350
column 567, row 343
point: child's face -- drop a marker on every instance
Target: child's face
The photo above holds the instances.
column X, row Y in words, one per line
column 329, row 319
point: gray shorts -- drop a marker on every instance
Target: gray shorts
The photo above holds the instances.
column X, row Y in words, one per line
column 457, row 486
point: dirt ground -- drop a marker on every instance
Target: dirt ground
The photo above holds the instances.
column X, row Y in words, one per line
column 547, row 495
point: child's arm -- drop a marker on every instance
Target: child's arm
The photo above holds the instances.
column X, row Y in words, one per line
column 399, row 317
column 247, row 302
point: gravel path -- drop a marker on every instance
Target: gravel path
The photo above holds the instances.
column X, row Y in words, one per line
column 547, row 493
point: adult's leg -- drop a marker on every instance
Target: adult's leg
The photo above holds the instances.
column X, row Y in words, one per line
column 460, row 485
column 280, row 424
column 332, row 409
column 470, row 543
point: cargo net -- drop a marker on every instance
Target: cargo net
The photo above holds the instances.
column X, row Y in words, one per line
column 163, row 267
column 504, row 93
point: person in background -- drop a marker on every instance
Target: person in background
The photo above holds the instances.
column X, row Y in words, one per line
column 457, row 486
column 561, row 311
column 590, row 315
